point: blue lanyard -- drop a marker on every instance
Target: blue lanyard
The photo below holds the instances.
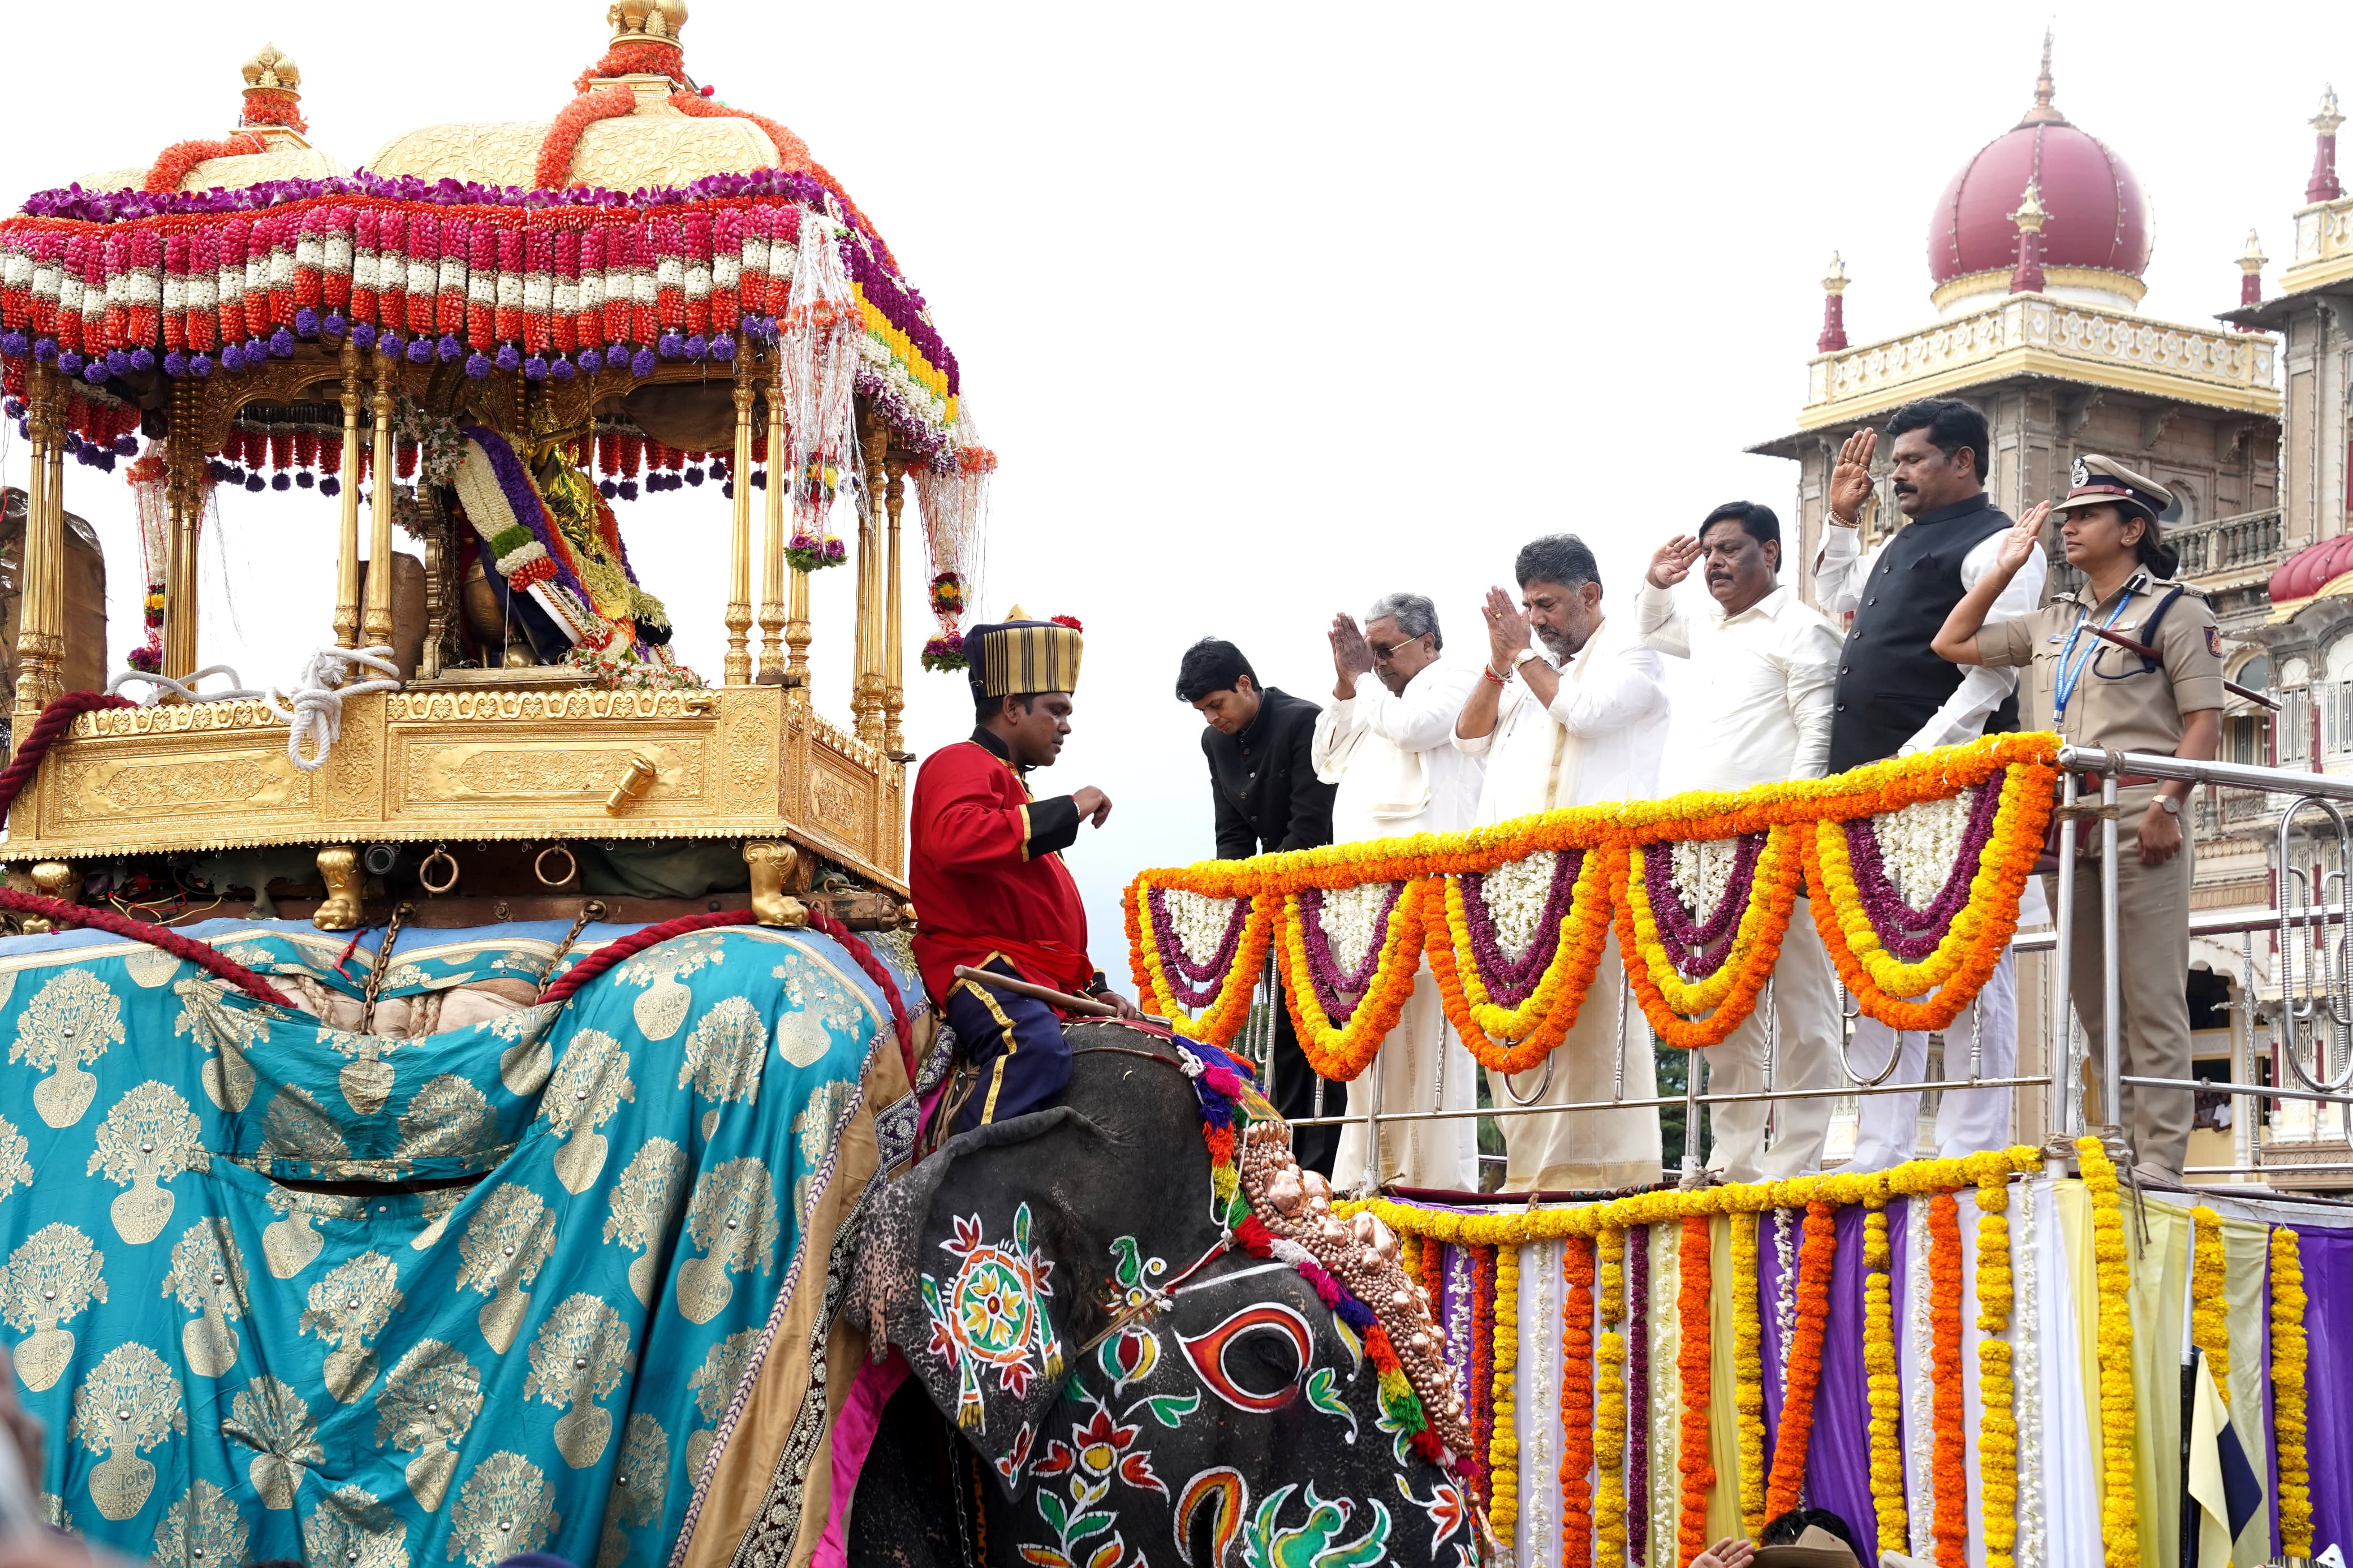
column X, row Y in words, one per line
column 2071, row 666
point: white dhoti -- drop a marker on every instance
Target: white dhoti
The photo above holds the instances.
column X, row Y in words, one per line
column 1804, row 1008
column 1969, row 1120
column 1423, row 1067
column 1586, row 1151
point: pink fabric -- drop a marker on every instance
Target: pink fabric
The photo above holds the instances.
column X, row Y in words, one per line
column 853, row 1437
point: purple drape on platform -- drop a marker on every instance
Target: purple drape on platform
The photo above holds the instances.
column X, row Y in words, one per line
column 2271, row 1447
column 2327, row 1258
column 1837, row 1457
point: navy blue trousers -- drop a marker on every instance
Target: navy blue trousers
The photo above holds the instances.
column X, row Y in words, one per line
column 1015, row 1042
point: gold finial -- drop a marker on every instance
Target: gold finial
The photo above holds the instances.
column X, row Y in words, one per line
column 1834, row 280
column 1016, row 613
column 271, row 67
column 642, row 20
column 2030, row 215
column 2045, row 112
column 2327, row 120
column 2251, row 260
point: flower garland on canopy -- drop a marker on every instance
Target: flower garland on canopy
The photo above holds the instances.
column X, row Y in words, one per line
column 1613, row 868
column 1503, row 1445
column 1609, row 1406
column 1802, row 1352
column 1748, row 1374
column 2119, row 1515
column 1952, row 1508
column 1886, row 1389
column 1691, row 1361
column 2288, row 1412
column 1997, row 1423
column 2210, row 1325
column 1577, row 1407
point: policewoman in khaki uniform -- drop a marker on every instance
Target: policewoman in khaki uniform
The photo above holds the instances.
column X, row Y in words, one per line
column 2103, row 695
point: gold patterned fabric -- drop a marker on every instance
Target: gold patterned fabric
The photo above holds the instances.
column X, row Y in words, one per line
column 1018, row 658
column 535, row 1345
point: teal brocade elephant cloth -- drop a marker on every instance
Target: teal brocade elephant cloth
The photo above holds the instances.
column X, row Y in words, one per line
column 536, row 1347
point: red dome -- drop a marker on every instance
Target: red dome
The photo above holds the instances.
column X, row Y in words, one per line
column 2099, row 215
column 2311, row 569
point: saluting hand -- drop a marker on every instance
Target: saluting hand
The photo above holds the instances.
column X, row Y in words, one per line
column 1850, row 478
column 2024, row 538
column 1092, row 804
column 1671, row 561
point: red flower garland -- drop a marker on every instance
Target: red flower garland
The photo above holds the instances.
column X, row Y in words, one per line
column 1692, row 1361
column 175, row 163
column 1483, row 1368
column 1951, row 1526
column 1804, row 1354
column 1577, row 1406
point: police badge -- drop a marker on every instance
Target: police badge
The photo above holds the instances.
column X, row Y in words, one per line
column 2213, row 642
column 2080, row 474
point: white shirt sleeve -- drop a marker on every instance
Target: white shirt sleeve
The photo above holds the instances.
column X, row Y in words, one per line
column 1841, row 569
column 1810, row 673
column 1420, row 721
column 1335, row 735
column 1981, row 691
column 1625, row 686
column 1660, row 622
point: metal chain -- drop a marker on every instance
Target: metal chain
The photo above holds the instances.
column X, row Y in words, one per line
column 590, row 909
column 383, row 961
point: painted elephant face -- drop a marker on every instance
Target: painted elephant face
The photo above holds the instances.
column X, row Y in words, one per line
column 1064, row 1293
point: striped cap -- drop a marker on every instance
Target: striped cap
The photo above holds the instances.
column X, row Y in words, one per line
column 1018, row 657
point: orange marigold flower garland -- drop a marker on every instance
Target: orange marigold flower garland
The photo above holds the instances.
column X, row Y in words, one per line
column 1513, row 1039
column 2119, row 1418
column 1341, row 1052
column 1803, row 1356
column 1609, row 1406
column 177, row 161
column 552, row 170
column 1222, row 1019
column 2288, row 1416
column 1879, row 1370
column 1504, row 1443
column 1576, row 1445
column 1692, row 1361
column 1951, row 1526
column 1997, row 1419
column 1748, row 1374
column 2210, row 1326
column 1733, row 991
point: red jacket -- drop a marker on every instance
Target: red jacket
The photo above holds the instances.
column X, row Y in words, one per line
column 987, row 873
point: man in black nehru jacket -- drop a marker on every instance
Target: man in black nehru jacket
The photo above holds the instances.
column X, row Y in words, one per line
column 1268, row 799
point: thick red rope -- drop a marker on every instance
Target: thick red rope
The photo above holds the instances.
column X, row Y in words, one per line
column 636, row 942
column 203, row 955
column 35, row 744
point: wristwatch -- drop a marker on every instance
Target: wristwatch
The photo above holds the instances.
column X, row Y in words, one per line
column 2173, row 804
column 1526, row 654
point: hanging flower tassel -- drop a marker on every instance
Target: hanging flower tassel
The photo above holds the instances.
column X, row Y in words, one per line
column 819, row 348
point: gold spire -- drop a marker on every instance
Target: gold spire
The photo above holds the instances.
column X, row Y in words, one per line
column 271, row 67
column 1834, row 280
column 2043, row 112
column 2030, row 215
column 2327, row 120
column 640, row 21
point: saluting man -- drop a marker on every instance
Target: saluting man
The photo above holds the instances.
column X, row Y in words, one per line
column 2168, row 703
column 986, row 868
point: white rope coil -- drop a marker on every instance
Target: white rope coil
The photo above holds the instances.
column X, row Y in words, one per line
column 185, row 687
column 315, row 711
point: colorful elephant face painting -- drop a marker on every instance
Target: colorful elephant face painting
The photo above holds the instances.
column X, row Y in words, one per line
column 993, row 1314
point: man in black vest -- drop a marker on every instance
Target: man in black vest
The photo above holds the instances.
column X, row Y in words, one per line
column 1894, row 696
column 1262, row 781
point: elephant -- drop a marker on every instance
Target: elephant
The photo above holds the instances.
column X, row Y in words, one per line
column 1128, row 1386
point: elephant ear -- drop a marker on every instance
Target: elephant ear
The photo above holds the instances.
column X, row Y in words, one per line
column 975, row 1265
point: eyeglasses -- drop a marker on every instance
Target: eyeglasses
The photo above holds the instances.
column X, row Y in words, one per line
column 1381, row 652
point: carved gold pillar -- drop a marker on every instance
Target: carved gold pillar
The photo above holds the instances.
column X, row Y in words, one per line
column 53, row 563
column 895, row 683
column 184, row 464
column 32, row 559
column 738, row 545
column 867, row 693
column 375, row 615
column 347, row 537
column 772, row 543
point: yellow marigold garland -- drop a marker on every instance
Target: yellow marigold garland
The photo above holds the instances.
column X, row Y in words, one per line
column 1609, row 1407
column 2119, row 1417
column 1887, row 1392
column 1503, row 1442
column 1341, row 1052
column 2288, row 1394
column 2210, row 1325
column 1997, row 1418
column 1734, row 990
column 1748, row 1374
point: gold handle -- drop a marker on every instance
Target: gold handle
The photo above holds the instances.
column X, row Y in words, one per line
column 634, row 783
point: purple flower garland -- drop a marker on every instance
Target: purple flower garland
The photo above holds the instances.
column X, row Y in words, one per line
column 1699, row 949
column 1907, row 933
column 1511, row 981
column 515, row 485
column 1339, row 991
column 1637, row 1393
column 1195, row 984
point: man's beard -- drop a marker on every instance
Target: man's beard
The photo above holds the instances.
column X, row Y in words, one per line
column 1562, row 644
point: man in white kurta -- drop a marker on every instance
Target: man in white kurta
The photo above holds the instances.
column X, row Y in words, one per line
column 1758, row 711
column 1385, row 742
column 1570, row 711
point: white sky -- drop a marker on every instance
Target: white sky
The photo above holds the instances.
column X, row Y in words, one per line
column 1270, row 309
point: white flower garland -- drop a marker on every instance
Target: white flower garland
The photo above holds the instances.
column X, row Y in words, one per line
column 1785, row 1287
column 1919, row 844
column 1348, row 921
column 1920, row 1396
column 1666, row 1396
column 2026, row 1377
column 1514, row 893
column 1703, row 872
column 1541, row 1408
column 1200, row 922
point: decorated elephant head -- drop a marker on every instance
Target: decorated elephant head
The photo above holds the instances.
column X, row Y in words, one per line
column 1158, row 1338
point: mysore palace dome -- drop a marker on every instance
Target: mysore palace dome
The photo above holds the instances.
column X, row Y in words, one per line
column 2096, row 241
